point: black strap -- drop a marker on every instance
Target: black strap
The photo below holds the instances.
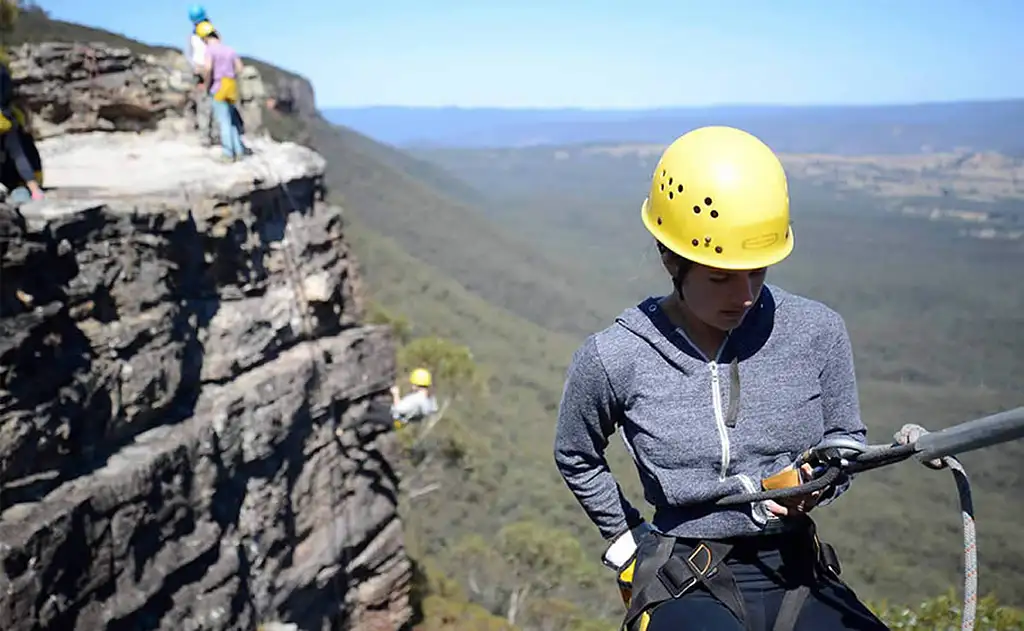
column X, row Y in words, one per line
column 826, row 561
column 789, row 610
column 825, row 564
column 664, row 576
column 644, row 573
column 829, row 560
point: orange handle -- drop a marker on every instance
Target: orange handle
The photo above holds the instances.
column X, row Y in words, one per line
column 785, row 479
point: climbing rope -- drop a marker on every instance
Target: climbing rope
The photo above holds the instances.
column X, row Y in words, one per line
column 295, row 281
column 316, row 356
column 911, row 433
column 963, row 487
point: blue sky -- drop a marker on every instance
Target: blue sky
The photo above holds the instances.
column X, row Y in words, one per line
column 609, row 53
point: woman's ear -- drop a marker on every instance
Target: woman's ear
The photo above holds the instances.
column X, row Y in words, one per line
column 670, row 261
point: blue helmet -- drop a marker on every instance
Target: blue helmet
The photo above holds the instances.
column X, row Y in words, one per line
column 196, row 13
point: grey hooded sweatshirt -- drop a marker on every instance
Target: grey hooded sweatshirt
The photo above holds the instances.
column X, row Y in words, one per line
column 700, row 428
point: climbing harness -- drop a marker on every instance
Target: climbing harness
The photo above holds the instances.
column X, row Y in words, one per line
column 679, row 565
column 664, row 575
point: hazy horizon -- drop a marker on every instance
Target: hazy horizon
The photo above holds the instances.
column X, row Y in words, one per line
column 680, row 107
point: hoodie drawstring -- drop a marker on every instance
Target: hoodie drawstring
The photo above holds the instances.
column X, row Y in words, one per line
column 734, row 393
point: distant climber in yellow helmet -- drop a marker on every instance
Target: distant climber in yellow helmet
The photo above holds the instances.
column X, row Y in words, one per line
column 715, row 387
column 418, row 404
column 200, row 102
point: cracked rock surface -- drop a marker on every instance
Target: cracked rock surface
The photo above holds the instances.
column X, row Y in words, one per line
column 193, row 418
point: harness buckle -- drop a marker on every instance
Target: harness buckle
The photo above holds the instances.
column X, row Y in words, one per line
column 678, row 577
column 674, row 581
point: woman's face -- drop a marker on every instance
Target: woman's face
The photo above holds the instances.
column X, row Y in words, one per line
column 720, row 298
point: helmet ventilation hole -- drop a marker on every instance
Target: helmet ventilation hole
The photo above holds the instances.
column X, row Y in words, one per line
column 718, row 249
column 659, row 221
column 670, row 194
column 707, row 201
column 696, row 210
column 662, row 187
column 695, row 243
column 680, row 188
column 714, row 214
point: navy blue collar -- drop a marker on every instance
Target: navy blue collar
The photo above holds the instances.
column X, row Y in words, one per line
column 743, row 341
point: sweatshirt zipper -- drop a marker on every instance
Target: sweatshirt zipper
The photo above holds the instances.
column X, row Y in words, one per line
column 723, row 434
column 716, row 399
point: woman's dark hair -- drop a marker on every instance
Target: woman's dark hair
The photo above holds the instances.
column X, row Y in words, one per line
column 683, row 266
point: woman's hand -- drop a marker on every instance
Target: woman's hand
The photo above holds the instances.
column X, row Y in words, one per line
column 798, row 504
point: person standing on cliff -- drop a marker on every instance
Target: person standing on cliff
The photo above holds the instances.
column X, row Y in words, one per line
column 221, row 70
column 195, row 52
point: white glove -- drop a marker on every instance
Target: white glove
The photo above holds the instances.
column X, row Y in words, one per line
column 623, row 549
column 621, row 557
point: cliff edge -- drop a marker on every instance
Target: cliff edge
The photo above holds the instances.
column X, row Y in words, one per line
column 193, row 417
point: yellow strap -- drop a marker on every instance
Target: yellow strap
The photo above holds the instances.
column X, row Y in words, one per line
column 228, row 91
column 645, row 619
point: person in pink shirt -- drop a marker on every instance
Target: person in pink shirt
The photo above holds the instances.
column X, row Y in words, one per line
column 221, row 72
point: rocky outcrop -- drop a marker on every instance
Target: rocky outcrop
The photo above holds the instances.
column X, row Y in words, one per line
column 293, row 95
column 77, row 88
column 191, row 433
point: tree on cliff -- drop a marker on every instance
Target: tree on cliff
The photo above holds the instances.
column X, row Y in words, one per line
column 456, row 378
column 455, row 373
column 8, row 20
column 523, row 574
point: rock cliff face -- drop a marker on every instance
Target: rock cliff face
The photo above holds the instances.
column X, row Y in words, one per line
column 193, row 425
column 293, row 96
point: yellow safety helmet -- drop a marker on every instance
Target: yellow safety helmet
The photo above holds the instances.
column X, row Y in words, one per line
column 420, row 377
column 204, row 29
column 719, row 197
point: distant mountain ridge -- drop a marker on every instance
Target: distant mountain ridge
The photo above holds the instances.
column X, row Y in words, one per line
column 845, row 130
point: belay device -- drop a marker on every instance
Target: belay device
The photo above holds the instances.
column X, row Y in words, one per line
column 834, row 458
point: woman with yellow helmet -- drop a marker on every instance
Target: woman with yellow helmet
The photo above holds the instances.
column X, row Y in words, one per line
column 715, row 387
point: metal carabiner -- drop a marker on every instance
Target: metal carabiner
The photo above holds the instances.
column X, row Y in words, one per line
column 830, row 452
